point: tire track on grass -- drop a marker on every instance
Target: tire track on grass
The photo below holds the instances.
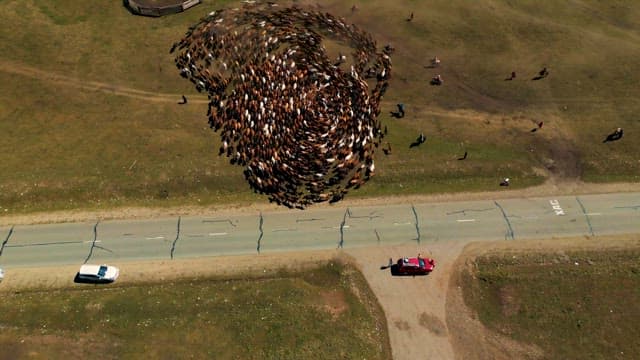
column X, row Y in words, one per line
column 59, row 79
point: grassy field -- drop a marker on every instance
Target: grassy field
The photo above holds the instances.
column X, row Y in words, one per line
column 573, row 305
column 323, row 313
column 89, row 115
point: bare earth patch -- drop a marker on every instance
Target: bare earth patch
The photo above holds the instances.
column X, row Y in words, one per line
column 41, row 346
column 334, row 302
column 433, row 324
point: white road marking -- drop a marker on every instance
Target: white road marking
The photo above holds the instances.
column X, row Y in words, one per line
column 90, row 241
column 555, row 205
column 338, row 227
column 594, row 214
column 398, row 224
column 218, row 234
column 155, row 238
column 466, row 220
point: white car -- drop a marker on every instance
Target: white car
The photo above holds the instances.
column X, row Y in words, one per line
column 1, row 274
column 97, row 274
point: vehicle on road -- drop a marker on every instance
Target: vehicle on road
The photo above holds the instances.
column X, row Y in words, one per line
column 97, row 274
column 1, row 274
column 413, row 266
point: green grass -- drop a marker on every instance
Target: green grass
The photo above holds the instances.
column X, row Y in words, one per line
column 570, row 311
column 67, row 147
column 282, row 317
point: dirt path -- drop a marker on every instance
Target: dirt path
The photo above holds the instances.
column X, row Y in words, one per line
column 414, row 306
column 58, row 79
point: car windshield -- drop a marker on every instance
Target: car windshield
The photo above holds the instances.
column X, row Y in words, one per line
column 421, row 262
column 102, row 271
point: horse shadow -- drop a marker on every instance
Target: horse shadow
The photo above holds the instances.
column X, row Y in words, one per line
column 615, row 136
column 396, row 114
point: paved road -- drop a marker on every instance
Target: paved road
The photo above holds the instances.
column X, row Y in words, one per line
column 320, row 228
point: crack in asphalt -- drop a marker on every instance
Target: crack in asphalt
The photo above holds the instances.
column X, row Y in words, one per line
column 509, row 232
column 464, row 211
column 634, row 207
column 584, row 211
column 173, row 246
column 6, row 240
column 415, row 214
column 93, row 243
column 220, row 221
column 261, row 232
column 311, row 219
column 48, row 243
column 344, row 220
column 371, row 215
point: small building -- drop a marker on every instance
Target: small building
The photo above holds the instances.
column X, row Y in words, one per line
column 158, row 8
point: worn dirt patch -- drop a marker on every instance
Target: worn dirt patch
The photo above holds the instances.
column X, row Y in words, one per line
column 40, row 346
column 433, row 324
column 334, row 302
column 402, row 325
column 508, row 302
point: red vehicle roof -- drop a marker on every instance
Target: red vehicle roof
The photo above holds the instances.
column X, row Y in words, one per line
column 415, row 265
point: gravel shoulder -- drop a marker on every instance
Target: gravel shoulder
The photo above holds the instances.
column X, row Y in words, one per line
column 551, row 187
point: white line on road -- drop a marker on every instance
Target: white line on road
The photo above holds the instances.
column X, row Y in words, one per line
column 593, row 214
column 465, row 220
column 155, row 238
column 218, row 234
column 90, row 241
column 398, row 224
column 334, row 227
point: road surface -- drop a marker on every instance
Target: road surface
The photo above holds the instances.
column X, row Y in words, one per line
column 319, row 228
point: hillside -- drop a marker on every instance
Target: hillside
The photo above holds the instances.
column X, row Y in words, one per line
column 91, row 120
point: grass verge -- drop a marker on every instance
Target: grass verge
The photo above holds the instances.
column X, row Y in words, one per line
column 570, row 304
column 323, row 313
